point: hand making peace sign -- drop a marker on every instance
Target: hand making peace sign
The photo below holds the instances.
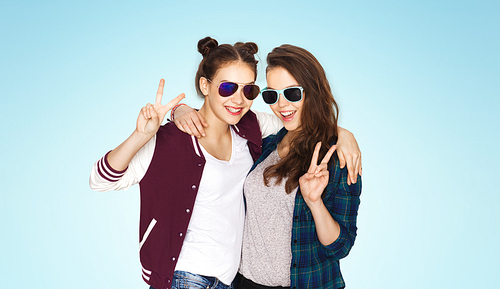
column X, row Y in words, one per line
column 315, row 180
column 152, row 115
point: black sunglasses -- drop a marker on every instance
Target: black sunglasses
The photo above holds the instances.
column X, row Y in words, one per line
column 228, row 88
column 291, row 94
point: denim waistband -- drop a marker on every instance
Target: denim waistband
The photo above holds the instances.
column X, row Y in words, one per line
column 185, row 280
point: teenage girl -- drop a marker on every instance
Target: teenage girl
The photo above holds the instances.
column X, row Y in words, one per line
column 301, row 212
column 192, row 209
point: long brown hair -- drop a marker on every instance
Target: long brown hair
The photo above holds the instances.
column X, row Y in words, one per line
column 216, row 56
column 318, row 117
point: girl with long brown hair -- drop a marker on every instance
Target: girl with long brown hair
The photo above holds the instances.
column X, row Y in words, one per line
column 301, row 211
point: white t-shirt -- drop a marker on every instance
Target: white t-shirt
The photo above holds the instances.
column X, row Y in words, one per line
column 212, row 246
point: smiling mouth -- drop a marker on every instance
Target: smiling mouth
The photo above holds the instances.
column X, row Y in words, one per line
column 233, row 110
column 287, row 115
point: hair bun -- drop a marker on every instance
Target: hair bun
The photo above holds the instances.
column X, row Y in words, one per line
column 206, row 45
column 251, row 47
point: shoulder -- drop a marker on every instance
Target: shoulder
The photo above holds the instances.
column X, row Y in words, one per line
column 169, row 132
column 274, row 139
column 248, row 120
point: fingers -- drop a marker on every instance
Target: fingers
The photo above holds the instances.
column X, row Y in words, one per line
column 152, row 112
column 159, row 93
column 351, row 177
column 329, row 154
column 203, row 121
column 195, row 129
column 353, row 167
column 314, row 160
column 197, row 123
column 163, row 109
column 184, row 126
column 359, row 167
column 341, row 156
column 320, row 168
column 146, row 111
column 322, row 174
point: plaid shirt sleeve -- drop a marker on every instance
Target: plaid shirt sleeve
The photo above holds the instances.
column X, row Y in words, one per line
column 313, row 264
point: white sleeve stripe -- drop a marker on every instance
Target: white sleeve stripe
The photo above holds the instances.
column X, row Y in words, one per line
column 109, row 170
column 104, row 173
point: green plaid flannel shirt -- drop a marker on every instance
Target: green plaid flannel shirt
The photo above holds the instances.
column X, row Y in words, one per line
column 313, row 264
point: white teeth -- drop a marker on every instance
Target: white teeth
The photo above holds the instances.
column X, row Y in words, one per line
column 288, row 113
column 233, row 109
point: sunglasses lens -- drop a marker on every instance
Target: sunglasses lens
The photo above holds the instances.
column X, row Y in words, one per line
column 251, row 91
column 292, row 94
column 270, row 96
column 227, row 88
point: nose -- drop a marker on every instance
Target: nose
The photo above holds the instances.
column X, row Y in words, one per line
column 282, row 102
column 238, row 96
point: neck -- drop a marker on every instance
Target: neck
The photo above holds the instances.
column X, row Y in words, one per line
column 216, row 128
column 284, row 144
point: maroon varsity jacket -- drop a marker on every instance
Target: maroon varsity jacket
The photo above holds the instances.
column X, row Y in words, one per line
column 168, row 192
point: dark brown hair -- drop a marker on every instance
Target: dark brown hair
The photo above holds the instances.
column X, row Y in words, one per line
column 318, row 117
column 216, row 56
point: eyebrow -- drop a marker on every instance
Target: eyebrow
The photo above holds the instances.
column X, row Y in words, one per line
column 293, row 85
column 227, row 80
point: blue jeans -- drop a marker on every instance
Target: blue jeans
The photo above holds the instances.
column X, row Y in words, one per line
column 186, row 280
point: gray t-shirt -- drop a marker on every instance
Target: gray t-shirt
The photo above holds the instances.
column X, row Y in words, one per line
column 266, row 251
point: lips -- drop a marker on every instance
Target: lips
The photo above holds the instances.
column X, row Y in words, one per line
column 288, row 115
column 234, row 110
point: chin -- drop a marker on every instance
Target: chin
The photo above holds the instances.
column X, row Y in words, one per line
column 290, row 126
column 233, row 120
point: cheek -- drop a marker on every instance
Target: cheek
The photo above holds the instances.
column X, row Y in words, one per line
column 275, row 109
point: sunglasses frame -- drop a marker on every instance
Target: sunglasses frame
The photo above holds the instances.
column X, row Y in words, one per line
column 282, row 92
column 238, row 87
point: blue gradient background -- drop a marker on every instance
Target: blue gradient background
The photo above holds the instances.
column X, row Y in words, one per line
column 417, row 83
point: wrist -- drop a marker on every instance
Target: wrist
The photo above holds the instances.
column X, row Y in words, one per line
column 141, row 138
column 173, row 110
column 343, row 131
column 315, row 206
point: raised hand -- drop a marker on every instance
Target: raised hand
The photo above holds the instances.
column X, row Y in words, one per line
column 315, row 180
column 152, row 115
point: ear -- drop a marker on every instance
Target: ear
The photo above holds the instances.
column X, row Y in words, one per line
column 204, row 86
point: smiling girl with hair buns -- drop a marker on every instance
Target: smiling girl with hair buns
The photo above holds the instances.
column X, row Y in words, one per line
column 192, row 209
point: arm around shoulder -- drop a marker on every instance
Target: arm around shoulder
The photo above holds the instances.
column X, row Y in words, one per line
column 269, row 123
